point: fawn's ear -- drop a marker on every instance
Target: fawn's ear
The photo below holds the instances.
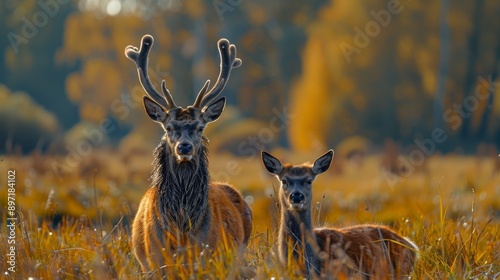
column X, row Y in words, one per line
column 213, row 111
column 322, row 163
column 154, row 110
column 272, row 164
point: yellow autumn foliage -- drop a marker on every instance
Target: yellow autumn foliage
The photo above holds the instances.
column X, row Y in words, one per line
column 310, row 99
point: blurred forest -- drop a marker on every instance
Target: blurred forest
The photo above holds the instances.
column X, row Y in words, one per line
column 314, row 73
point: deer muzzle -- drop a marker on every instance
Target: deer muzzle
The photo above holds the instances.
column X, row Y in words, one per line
column 184, row 151
column 297, row 200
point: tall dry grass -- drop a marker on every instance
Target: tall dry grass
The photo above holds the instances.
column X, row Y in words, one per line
column 78, row 226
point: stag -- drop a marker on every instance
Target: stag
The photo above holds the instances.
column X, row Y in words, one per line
column 183, row 207
column 362, row 251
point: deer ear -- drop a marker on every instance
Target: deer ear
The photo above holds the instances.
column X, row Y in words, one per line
column 322, row 163
column 154, row 110
column 213, row 111
column 272, row 164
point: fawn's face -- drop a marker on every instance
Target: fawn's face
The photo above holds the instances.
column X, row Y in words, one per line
column 184, row 127
column 296, row 180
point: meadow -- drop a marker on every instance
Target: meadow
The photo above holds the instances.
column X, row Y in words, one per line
column 76, row 225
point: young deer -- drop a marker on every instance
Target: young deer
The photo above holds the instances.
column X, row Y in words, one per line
column 365, row 251
column 183, row 207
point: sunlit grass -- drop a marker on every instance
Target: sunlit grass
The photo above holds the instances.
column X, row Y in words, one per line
column 79, row 227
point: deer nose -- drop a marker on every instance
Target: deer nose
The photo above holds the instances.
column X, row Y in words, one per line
column 184, row 148
column 297, row 197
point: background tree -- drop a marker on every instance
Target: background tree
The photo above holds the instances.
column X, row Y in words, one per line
column 343, row 68
column 31, row 35
column 382, row 74
column 25, row 125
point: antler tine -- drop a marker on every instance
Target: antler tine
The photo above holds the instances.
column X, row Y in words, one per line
column 166, row 94
column 229, row 61
column 140, row 58
column 201, row 94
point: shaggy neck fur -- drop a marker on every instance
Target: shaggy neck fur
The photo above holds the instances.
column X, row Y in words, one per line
column 296, row 231
column 182, row 189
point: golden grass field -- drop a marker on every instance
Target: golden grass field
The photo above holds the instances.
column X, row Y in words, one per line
column 77, row 226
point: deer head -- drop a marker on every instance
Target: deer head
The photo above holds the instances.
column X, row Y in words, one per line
column 296, row 180
column 183, row 126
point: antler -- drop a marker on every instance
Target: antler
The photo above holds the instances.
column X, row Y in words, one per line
column 228, row 62
column 140, row 57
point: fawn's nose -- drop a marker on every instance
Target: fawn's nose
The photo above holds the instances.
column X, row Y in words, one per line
column 297, row 197
column 184, row 148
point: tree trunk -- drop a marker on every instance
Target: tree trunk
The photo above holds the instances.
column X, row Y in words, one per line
column 470, row 77
column 486, row 117
column 444, row 35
